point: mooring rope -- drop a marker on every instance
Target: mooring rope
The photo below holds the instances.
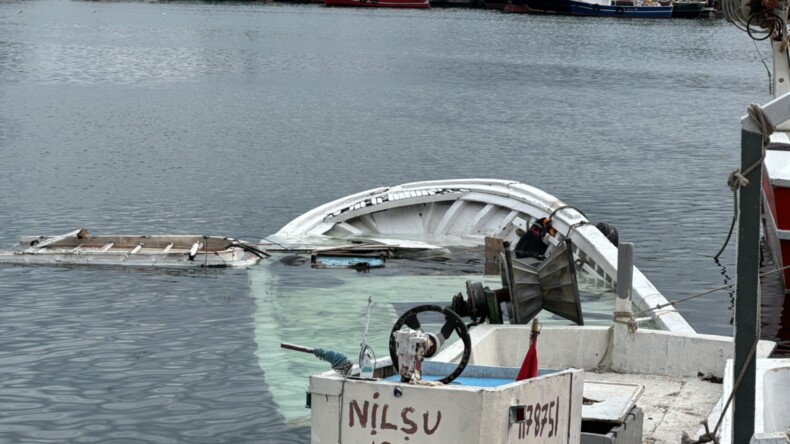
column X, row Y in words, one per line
column 723, row 287
column 737, row 179
column 630, row 320
column 709, row 436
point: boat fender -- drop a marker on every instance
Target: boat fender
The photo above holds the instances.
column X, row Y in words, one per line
column 620, row 10
column 609, row 231
column 596, row 8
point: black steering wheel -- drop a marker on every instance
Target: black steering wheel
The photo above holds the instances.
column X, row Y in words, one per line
column 453, row 322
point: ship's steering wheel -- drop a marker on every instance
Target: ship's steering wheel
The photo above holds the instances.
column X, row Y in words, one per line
column 453, row 322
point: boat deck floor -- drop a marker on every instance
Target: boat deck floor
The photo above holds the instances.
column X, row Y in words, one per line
column 671, row 405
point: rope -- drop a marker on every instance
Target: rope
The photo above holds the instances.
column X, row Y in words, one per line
column 723, row 287
column 766, row 127
column 737, row 179
column 337, row 360
column 609, row 344
column 712, row 437
column 630, row 321
column 784, row 44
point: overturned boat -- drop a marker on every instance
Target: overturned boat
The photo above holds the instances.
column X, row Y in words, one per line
column 80, row 248
column 422, row 216
column 435, row 235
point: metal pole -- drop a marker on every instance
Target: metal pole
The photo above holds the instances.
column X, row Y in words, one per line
column 622, row 339
column 747, row 289
column 625, row 276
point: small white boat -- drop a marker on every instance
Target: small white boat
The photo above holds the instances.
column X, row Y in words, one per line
column 80, row 248
column 617, row 384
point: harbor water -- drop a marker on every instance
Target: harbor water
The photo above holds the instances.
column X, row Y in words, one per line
column 233, row 118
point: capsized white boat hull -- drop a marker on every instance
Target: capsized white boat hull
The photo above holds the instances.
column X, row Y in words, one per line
column 463, row 212
column 327, row 308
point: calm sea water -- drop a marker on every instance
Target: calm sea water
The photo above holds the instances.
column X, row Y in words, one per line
column 232, row 119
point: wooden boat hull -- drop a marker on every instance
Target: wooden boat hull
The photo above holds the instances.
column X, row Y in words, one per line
column 776, row 209
column 412, row 4
column 596, row 10
column 133, row 251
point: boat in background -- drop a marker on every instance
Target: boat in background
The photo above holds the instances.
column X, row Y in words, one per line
column 413, row 4
column 688, row 9
column 624, row 9
column 562, row 7
column 691, row 9
column 80, row 248
column 776, row 202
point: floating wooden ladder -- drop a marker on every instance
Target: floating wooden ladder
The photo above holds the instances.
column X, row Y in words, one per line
column 51, row 240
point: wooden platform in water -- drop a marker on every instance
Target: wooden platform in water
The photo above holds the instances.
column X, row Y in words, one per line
column 176, row 251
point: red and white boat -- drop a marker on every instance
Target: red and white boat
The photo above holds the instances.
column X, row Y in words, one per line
column 414, row 4
column 776, row 206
